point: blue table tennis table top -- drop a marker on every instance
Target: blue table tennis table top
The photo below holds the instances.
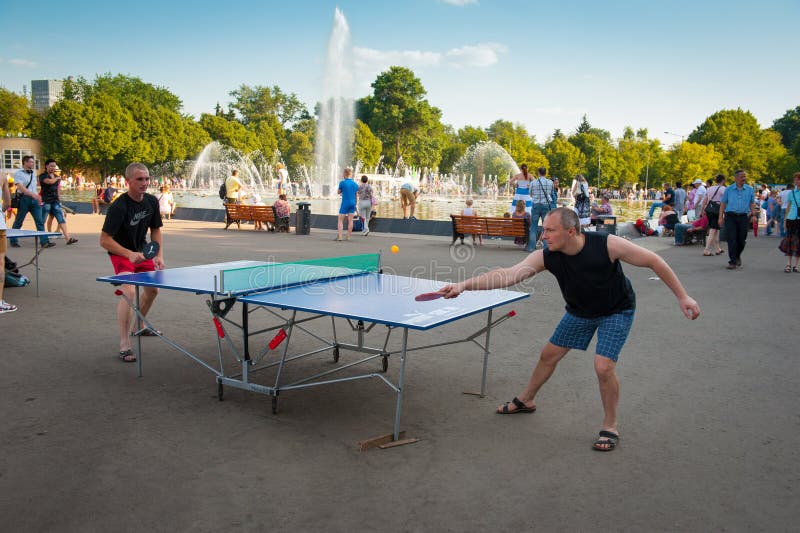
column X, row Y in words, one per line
column 12, row 233
column 371, row 297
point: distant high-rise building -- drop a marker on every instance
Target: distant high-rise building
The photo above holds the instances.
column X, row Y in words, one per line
column 45, row 93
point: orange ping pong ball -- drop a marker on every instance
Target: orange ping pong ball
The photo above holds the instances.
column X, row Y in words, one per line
column 395, row 248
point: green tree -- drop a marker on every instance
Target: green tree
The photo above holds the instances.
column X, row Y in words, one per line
column 366, row 146
column 195, row 138
column 230, row 133
column 738, row 137
column 564, row 159
column 399, row 113
column 469, row 135
column 121, row 87
column 690, row 161
column 89, row 135
column 258, row 103
column 603, row 161
column 299, row 150
column 521, row 146
column 15, row 113
column 789, row 128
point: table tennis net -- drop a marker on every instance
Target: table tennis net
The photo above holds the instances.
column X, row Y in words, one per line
column 279, row 275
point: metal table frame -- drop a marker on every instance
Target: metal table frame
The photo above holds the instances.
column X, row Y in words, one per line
column 289, row 322
column 26, row 233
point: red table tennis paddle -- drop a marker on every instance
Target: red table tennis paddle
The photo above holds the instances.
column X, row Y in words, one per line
column 150, row 250
column 425, row 297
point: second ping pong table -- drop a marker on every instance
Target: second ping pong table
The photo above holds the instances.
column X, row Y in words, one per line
column 35, row 235
column 352, row 288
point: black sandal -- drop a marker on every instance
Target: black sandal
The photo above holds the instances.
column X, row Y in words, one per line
column 520, row 407
column 607, row 438
column 127, row 356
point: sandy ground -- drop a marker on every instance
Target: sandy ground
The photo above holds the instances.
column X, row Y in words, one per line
column 708, row 414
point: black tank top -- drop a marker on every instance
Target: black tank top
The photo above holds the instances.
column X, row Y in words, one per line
column 590, row 283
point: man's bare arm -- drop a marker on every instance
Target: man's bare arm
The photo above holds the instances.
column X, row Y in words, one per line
column 498, row 278
column 626, row 251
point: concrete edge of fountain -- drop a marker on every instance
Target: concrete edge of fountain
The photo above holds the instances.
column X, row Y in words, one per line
column 442, row 228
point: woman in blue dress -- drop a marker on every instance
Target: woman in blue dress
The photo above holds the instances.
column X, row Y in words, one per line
column 522, row 188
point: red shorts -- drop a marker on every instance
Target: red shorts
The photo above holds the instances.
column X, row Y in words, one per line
column 122, row 264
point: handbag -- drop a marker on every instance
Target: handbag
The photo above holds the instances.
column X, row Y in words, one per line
column 15, row 198
column 712, row 208
column 374, row 201
column 581, row 196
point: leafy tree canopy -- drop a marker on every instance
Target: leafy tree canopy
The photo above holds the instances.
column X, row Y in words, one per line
column 398, row 111
column 15, row 113
column 121, row 87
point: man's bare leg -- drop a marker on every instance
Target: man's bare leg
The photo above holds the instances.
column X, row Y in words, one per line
column 549, row 358
column 609, row 394
column 124, row 316
column 146, row 299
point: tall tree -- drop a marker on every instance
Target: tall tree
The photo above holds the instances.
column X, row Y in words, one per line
column 736, row 134
column 230, row 133
column 789, row 128
column 121, row 87
column 514, row 138
column 469, row 135
column 564, row 159
column 690, row 161
column 89, row 135
column 366, row 146
column 398, row 109
column 15, row 113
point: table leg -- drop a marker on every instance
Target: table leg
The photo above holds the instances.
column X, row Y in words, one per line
column 36, row 262
column 138, row 337
column 400, row 384
column 486, row 353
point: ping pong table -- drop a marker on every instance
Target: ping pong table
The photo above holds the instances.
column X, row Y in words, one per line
column 35, row 234
column 351, row 288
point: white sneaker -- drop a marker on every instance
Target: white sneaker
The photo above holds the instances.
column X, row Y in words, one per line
column 366, row 232
column 6, row 307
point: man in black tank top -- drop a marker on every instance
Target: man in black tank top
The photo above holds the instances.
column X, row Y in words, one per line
column 599, row 298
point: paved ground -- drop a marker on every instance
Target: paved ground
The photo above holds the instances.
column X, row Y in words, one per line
column 708, row 414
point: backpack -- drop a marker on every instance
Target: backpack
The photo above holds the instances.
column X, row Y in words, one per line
column 15, row 279
column 223, row 191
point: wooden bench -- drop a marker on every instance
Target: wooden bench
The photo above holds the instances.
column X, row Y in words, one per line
column 491, row 226
column 238, row 213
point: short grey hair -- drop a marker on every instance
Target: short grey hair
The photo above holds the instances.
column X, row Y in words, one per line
column 133, row 167
column 568, row 218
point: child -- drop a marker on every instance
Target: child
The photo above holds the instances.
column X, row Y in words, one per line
column 470, row 212
column 166, row 202
column 258, row 225
column 520, row 212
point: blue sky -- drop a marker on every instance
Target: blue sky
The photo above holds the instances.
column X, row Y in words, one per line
column 665, row 66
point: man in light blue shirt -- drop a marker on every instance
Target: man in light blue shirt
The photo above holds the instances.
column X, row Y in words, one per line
column 541, row 190
column 736, row 210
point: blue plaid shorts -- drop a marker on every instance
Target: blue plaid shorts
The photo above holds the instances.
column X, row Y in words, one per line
column 612, row 332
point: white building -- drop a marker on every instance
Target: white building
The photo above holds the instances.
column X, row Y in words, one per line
column 45, row 93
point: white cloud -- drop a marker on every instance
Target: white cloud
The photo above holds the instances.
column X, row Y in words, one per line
column 22, row 63
column 479, row 55
column 460, row 3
